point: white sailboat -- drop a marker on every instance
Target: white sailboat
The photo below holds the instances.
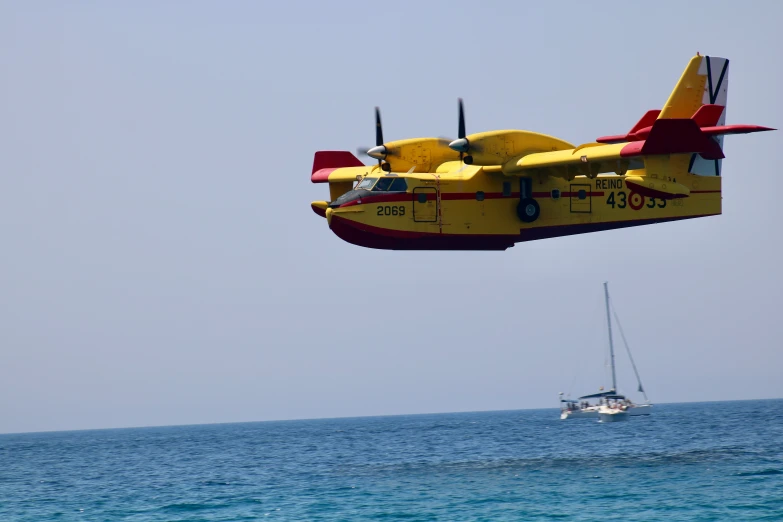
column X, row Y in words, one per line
column 612, row 406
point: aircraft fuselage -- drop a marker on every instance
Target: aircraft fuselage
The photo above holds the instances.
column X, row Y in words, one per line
column 477, row 210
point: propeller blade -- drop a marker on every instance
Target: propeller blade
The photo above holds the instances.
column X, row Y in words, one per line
column 378, row 128
column 461, row 130
column 461, row 144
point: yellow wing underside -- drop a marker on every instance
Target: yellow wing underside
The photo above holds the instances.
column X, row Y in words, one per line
column 589, row 160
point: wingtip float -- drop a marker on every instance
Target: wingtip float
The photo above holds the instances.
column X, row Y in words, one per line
column 490, row 190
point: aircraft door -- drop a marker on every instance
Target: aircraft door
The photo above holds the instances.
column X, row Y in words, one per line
column 425, row 204
column 581, row 202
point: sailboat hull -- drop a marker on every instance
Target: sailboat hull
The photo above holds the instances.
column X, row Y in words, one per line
column 591, row 413
column 640, row 409
column 613, row 416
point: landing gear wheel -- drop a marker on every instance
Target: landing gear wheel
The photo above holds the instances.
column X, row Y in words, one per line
column 528, row 210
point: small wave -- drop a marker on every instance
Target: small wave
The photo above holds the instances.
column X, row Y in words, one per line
column 761, row 473
column 186, row 507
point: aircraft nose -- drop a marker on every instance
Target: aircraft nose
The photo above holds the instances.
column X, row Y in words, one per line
column 319, row 207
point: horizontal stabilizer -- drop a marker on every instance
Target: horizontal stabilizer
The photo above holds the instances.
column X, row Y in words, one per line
column 734, row 129
column 675, row 136
column 707, row 115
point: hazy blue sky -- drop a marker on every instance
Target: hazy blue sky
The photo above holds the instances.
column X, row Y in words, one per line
column 161, row 263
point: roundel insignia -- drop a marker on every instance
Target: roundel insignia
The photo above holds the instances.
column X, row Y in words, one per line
column 635, row 200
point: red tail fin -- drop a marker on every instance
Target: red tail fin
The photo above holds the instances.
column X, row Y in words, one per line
column 647, row 120
column 707, row 115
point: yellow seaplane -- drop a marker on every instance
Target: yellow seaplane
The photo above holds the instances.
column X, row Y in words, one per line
column 490, row 190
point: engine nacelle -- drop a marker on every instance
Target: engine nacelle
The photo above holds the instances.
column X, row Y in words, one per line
column 421, row 154
column 498, row 147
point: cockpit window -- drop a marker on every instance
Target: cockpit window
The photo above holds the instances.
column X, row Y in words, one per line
column 382, row 185
column 398, row 185
column 366, row 183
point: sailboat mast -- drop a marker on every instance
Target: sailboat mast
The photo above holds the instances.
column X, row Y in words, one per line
column 611, row 346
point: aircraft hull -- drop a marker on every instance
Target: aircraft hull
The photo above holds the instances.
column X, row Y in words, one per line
column 369, row 236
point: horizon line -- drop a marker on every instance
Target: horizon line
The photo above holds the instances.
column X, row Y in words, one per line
column 345, row 417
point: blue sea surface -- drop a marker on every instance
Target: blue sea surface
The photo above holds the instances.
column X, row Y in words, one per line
column 696, row 461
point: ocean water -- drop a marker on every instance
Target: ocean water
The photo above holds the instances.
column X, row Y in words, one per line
column 697, row 461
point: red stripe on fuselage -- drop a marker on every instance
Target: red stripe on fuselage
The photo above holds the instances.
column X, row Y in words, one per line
column 468, row 196
column 453, row 196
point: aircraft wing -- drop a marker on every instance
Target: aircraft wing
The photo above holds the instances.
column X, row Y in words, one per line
column 589, row 159
column 669, row 136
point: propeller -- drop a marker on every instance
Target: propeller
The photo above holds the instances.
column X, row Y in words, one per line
column 378, row 152
column 462, row 144
column 382, row 153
